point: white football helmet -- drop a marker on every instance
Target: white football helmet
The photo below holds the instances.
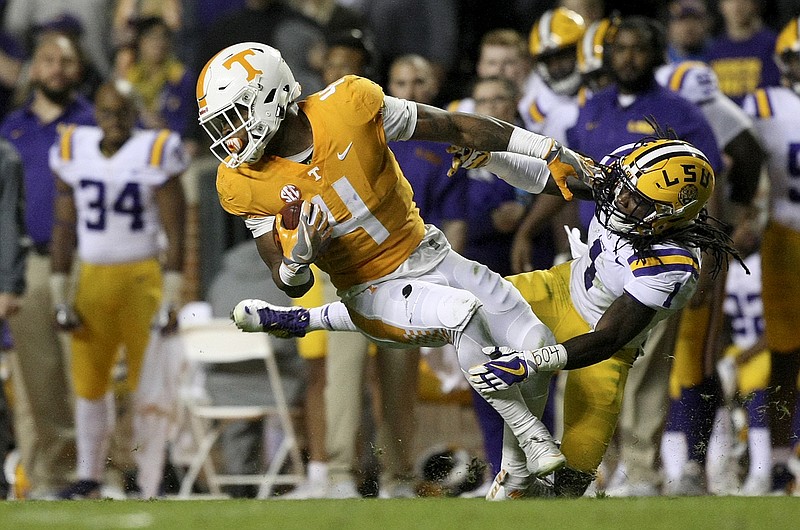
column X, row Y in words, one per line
column 245, row 86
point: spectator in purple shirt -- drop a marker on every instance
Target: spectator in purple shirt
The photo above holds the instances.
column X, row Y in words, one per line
column 618, row 115
column 743, row 56
column 44, row 429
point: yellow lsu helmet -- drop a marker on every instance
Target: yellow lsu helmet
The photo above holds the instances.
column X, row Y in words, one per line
column 659, row 187
column 592, row 44
column 557, row 30
column 788, row 41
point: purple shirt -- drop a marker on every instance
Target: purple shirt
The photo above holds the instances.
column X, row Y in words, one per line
column 33, row 140
column 604, row 125
column 743, row 66
column 484, row 243
column 439, row 197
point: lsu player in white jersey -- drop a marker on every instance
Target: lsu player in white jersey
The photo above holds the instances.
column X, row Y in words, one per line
column 118, row 194
column 399, row 280
column 744, row 370
column 553, row 42
column 776, row 111
column 641, row 265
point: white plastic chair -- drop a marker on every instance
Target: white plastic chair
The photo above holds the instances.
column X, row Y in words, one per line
column 219, row 341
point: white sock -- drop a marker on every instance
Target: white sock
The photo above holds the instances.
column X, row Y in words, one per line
column 317, row 472
column 674, row 454
column 720, row 444
column 94, row 423
column 332, row 317
column 759, row 443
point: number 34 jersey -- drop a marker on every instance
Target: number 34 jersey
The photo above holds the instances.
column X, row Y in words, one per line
column 352, row 175
column 664, row 281
column 117, row 216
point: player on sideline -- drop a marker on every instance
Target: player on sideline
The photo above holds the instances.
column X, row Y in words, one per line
column 117, row 191
column 398, row 278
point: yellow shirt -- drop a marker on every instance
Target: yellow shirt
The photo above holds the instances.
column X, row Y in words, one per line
column 352, row 174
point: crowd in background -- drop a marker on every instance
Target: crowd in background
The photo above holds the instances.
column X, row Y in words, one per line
column 491, row 58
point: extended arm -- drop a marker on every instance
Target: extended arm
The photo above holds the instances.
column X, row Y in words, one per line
column 625, row 318
column 62, row 248
column 484, row 133
column 172, row 214
column 622, row 322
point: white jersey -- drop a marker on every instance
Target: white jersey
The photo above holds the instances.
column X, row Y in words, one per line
column 743, row 303
column 609, row 268
column 695, row 81
column 117, row 217
column 546, row 112
column 776, row 112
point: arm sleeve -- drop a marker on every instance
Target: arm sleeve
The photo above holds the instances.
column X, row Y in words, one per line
column 523, row 172
column 399, row 118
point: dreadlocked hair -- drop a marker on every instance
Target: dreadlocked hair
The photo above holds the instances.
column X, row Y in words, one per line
column 711, row 239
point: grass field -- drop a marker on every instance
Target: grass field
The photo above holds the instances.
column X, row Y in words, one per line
column 764, row 513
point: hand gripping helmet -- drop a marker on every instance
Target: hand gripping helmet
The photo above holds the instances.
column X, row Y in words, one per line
column 787, row 46
column 557, row 31
column 592, row 44
column 657, row 188
column 245, row 86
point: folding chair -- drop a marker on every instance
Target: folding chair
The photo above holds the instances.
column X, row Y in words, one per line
column 219, row 341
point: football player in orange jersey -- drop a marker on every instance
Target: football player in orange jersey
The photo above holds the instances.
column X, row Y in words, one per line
column 398, row 278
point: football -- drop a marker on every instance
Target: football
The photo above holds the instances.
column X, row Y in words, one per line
column 290, row 218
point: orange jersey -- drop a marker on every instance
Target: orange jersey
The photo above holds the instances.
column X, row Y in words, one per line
column 352, row 175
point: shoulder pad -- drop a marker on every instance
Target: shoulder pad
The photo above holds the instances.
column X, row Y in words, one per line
column 693, row 80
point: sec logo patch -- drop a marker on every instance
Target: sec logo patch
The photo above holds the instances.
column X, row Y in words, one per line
column 290, row 193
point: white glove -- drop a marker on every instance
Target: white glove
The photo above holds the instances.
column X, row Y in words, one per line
column 166, row 319
column 576, row 245
column 301, row 245
column 467, row 158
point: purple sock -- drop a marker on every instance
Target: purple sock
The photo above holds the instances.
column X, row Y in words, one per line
column 756, row 404
column 693, row 415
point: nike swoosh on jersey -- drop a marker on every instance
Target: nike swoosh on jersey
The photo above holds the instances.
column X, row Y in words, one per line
column 343, row 154
column 519, row 370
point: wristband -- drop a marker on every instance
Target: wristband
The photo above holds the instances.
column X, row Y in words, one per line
column 171, row 284
column 58, row 289
column 550, row 358
column 293, row 274
column 529, row 143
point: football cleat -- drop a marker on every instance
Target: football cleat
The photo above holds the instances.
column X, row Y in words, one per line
column 541, row 452
column 282, row 322
column 82, row 489
column 505, row 487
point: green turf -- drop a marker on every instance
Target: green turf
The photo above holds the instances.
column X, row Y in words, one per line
column 765, row 513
